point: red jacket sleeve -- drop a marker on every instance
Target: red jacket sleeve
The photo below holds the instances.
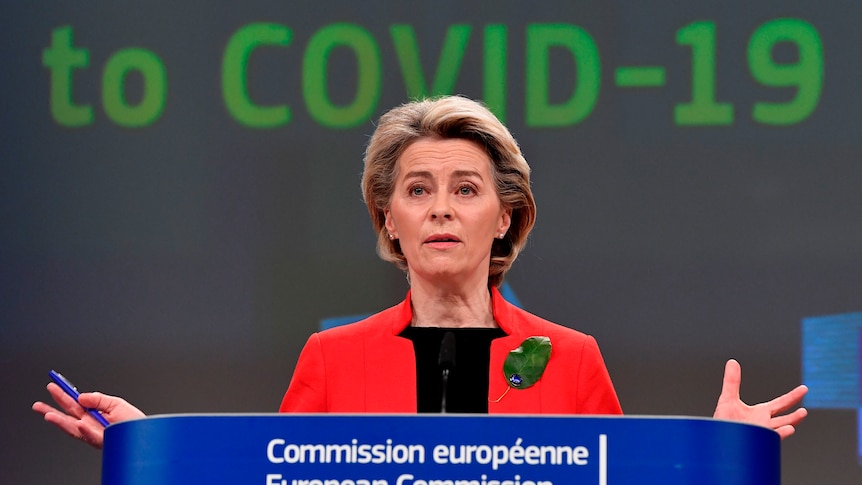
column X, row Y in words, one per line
column 596, row 394
column 307, row 390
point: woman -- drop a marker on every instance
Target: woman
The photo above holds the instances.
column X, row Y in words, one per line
column 449, row 196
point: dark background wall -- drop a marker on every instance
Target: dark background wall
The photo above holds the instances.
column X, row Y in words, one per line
column 182, row 262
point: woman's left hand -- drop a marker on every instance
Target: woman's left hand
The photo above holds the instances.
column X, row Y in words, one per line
column 76, row 422
column 768, row 414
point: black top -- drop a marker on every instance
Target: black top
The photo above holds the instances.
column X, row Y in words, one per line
column 467, row 383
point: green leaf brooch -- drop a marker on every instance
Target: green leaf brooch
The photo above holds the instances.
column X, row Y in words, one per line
column 525, row 365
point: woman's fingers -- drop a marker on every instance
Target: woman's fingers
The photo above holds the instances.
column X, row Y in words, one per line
column 786, row 401
column 92, row 436
column 65, row 401
column 785, row 431
column 68, row 424
column 72, row 418
column 99, row 401
column 792, row 419
column 85, row 429
column 730, row 405
column 114, row 408
column 732, row 380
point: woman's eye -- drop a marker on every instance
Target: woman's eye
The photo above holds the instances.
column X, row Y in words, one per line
column 465, row 190
column 417, row 190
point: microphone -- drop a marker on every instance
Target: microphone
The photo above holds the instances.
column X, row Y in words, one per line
column 447, row 363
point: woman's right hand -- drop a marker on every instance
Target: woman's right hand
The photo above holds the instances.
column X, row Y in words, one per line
column 76, row 422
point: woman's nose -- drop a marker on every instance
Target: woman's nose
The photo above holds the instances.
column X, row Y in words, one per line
column 442, row 207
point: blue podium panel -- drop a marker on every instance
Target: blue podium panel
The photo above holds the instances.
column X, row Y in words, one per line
column 293, row 449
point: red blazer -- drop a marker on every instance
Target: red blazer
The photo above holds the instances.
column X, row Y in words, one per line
column 365, row 367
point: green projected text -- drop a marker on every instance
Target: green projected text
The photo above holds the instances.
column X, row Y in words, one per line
column 324, row 90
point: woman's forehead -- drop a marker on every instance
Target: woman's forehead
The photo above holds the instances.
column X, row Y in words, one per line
column 434, row 155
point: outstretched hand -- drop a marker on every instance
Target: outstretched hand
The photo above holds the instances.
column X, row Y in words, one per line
column 76, row 422
column 768, row 414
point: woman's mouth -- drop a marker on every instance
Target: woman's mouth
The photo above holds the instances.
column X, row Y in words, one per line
column 442, row 241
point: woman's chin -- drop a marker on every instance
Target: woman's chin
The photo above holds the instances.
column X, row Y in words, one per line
column 445, row 276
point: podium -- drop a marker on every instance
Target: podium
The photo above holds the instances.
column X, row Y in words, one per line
column 332, row 449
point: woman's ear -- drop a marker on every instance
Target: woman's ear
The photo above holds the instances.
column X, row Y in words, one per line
column 505, row 221
column 389, row 224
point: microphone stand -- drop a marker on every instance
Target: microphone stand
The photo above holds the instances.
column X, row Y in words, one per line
column 447, row 363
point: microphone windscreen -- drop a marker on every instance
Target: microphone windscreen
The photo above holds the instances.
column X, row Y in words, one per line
column 447, row 351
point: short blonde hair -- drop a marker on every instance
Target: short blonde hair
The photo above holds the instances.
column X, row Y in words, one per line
column 449, row 117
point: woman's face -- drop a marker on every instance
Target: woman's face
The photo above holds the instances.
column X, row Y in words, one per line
column 445, row 211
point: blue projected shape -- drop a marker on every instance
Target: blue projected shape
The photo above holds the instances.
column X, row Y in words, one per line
column 505, row 290
column 830, row 361
column 832, row 364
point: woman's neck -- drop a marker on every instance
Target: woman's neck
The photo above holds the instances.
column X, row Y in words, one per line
column 435, row 306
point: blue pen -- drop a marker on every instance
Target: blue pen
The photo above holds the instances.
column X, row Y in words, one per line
column 72, row 391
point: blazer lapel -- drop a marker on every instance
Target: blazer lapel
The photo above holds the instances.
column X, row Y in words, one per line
column 501, row 398
column 390, row 387
column 390, row 364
